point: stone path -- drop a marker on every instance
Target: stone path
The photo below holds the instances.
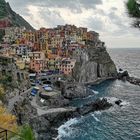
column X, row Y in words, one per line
column 16, row 98
column 54, row 110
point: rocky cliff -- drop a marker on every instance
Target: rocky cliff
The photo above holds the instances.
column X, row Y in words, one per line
column 95, row 63
column 9, row 18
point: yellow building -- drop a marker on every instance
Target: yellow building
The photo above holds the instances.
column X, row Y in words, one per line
column 20, row 64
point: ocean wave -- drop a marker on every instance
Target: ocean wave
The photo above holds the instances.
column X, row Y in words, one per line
column 88, row 96
column 98, row 112
column 66, row 130
column 111, row 99
column 125, row 103
column 96, row 119
column 95, row 92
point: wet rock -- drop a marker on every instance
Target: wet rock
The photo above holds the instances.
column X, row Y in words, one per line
column 46, row 125
column 123, row 75
column 133, row 80
column 97, row 105
column 120, row 69
column 118, row 102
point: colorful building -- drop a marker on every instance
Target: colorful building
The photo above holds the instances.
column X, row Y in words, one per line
column 66, row 65
column 37, row 61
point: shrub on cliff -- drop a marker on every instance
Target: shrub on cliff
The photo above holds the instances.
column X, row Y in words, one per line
column 25, row 133
column 2, row 93
column 7, row 122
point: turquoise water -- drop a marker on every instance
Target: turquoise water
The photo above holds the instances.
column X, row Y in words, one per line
column 117, row 123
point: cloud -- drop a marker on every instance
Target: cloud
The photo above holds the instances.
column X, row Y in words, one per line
column 71, row 4
column 108, row 17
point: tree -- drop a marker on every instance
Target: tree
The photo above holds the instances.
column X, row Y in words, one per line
column 133, row 7
column 25, row 133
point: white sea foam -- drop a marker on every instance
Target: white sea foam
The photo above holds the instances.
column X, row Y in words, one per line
column 66, row 130
column 93, row 115
column 111, row 99
column 98, row 112
column 95, row 92
column 88, row 96
column 125, row 103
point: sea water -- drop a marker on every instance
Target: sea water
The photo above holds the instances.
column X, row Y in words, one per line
column 116, row 123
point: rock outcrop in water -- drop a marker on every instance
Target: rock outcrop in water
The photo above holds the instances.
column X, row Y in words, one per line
column 124, row 75
column 95, row 63
column 46, row 125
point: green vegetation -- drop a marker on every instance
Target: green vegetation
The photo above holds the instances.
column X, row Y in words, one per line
column 6, row 79
column 25, row 133
column 133, row 8
column 134, row 11
column 3, row 11
column 8, row 122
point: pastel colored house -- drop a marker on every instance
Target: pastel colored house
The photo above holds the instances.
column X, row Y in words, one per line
column 37, row 60
column 66, row 65
column 20, row 64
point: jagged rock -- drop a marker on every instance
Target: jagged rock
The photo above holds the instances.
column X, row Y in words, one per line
column 24, row 111
column 133, row 80
column 120, row 69
column 97, row 105
column 74, row 90
column 125, row 77
column 45, row 125
column 122, row 75
column 118, row 102
column 96, row 64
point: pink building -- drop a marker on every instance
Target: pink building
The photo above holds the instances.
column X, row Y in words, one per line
column 37, row 60
column 37, row 65
column 66, row 65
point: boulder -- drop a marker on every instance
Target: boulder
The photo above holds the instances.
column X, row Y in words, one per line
column 118, row 102
column 122, row 75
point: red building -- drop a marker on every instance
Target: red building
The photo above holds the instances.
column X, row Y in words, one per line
column 5, row 23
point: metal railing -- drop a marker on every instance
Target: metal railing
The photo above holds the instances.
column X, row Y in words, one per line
column 4, row 134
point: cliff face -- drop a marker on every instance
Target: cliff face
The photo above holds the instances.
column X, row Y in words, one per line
column 95, row 63
column 9, row 18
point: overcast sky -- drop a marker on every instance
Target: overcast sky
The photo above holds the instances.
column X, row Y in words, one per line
column 108, row 17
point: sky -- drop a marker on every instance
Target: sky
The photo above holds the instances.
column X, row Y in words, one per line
column 107, row 17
